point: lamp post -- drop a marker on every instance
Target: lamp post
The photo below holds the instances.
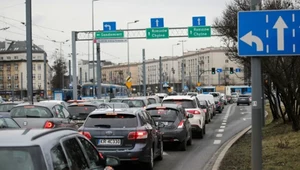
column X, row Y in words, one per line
column 128, row 23
column 173, row 69
column 182, row 41
column 93, row 28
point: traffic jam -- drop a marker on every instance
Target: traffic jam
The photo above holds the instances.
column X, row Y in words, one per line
column 104, row 134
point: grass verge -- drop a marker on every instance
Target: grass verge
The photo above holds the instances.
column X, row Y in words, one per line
column 281, row 148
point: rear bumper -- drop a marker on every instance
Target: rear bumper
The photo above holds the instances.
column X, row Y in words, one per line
column 196, row 128
column 219, row 108
column 177, row 135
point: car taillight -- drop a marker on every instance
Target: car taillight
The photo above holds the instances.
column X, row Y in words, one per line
column 49, row 125
column 204, row 110
column 138, row 135
column 195, row 112
column 181, row 124
column 86, row 134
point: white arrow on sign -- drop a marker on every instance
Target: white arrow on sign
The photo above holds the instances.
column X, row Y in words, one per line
column 250, row 39
column 199, row 21
column 280, row 26
column 107, row 26
column 157, row 22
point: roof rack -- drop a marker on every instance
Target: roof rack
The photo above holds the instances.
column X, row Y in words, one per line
column 51, row 131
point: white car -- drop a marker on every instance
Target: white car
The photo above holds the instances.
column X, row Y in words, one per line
column 211, row 100
column 191, row 105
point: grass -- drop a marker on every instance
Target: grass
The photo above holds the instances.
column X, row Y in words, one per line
column 281, row 148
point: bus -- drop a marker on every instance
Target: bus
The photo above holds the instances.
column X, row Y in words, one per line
column 238, row 89
column 87, row 91
column 207, row 89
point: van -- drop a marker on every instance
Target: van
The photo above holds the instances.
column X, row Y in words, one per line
column 208, row 97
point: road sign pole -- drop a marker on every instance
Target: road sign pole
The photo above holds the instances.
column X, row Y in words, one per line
column 75, row 97
column 182, row 74
column 80, row 75
column 29, row 51
column 45, row 76
column 160, row 76
column 99, row 74
column 22, row 86
column 198, row 76
column 256, row 142
column 219, row 78
column 144, row 72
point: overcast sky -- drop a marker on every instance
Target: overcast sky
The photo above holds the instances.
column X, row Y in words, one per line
column 55, row 19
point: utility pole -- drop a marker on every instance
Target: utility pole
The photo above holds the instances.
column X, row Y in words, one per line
column 13, row 88
column 75, row 80
column 144, row 72
column 88, row 73
column 29, row 51
column 80, row 76
column 22, row 95
column 99, row 74
column 45, row 76
column 256, row 143
column 182, row 74
column 219, row 78
column 198, row 71
column 160, row 76
column 70, row 78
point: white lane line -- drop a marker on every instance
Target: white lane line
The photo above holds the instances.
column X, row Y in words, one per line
column 267, row 18
column 165, row 153
column 216, row 142
column 219, row 135
column 267, row 33
column 294, row 33
column 294, row 48
column 221, row 130
column 293, row 17
column 223, row 123
column 222, row 127
column 267, row 48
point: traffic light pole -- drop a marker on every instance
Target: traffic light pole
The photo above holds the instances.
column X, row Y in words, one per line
column 219, row 78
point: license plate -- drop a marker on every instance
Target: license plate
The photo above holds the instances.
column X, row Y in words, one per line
column 109, row 142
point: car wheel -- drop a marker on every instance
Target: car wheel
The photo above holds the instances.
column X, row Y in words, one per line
column 237, row 104
column 183, row 145
column 204, row 132
column 161, row 154
column 149, row 165
column 201, row 133
column 190, row 141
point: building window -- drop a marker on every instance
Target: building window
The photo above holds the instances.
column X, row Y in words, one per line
column 8, row 67
column 39, row 66
column 39, row 77
column 8, row 57
column 1, row 67
column 1, row 86
column 33, row 76
column 39, row 86
column 16, row 76
column 33, row 85
column 8, row 77
column 16, row 57
column 1, row 58
column 16, row 86
column 16, row 67
column 33, row 66
column 9, row 86
column 226, row 61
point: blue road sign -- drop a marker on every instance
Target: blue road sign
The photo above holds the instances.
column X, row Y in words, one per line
column 198, row 88
column 237, row 70
column 199, row 21
column 109, row 26
column 157, row 22
column 269, row 33
column 166, row 84
column 185, row 88
column 219, row 70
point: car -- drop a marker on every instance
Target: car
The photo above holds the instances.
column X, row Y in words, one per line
column 215, row 94
column 243, row 99
column 235, row 96
column 229, row 99
column 42, row 115
column 7, row 106
column 192, row 105
column 6, row 122
column 50, row 149
column 191, row 93
column 219, row 104
column 153, row 99
column 211, row 100
column 113, row 105
column 205, row 106
column 129, row 134
column 224, row 98
column 65, row 104
column 161, row 96
column 79, row 111
column 134, row 102
column 175, row 121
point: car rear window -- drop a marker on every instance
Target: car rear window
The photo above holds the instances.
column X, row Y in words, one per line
column 31, row 111
column 25, row 158
column 8, row 123
column 134, row 103
column 74, row 109
column 164, row 114
column 111, row 121
column 6, row 107
column 184, row 103
column 202, row 104
column 151, row 100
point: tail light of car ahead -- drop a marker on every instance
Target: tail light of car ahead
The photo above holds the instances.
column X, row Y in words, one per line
column 181, row 124
column 86, row 134
column 219, row 103
column 195, row 112
column 204, row 110
column 141, row 134
column 49, row 125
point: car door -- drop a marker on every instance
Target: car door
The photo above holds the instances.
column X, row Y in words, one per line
column 69, row 122
column 58, row 158
column 154, row 131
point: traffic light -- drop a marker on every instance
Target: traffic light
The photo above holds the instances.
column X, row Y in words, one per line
column 213, row 70
column 231, row 70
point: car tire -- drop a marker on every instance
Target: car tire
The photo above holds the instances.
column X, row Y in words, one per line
column 190, row 141
column 201, row 133
column 237, row 104
column 149, row 165
column 161, row 154
column 204, row 132
column 183, row 145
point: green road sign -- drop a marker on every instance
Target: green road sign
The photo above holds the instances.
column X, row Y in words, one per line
column 109, row 34
column 201, row 31
column 157, row 33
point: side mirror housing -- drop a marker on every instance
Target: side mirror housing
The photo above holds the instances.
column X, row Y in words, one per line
column 112, row 161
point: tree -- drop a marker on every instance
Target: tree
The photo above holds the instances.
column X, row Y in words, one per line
column 60, row 70
column 281, row 72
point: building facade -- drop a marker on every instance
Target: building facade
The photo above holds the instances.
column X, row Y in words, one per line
column 13, row 69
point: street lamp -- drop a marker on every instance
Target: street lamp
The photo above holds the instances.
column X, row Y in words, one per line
column 182, row 41
column 173, row 69
column 128, row 23
column 93, row 28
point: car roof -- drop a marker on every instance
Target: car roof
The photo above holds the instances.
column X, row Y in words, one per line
column 180, row 97
column 131, row 111
column 5, row 115
column 31, row 137
column 84, row 103
column 11, row 103
column 172, row 106
column 43, row 104
column 57, row 101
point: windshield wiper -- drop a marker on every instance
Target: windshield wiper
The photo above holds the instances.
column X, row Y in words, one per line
column 102, row 125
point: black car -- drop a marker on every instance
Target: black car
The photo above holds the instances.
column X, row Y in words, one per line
column 79, row 111
column 50, row 149
column 129, row 134
column 174, row 121
column 243, row 99
column 219, row 104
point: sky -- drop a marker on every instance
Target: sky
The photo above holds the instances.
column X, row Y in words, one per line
column 55, row 19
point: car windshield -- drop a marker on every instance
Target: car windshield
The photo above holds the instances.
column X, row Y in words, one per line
column 6, row 107
column 8, row 123
column 116, row 100
column 151, row 100
column 163, row 114
column 30, row 111
column 184, row 103
column 111, row 121
column 134, row 103
column 25, row 158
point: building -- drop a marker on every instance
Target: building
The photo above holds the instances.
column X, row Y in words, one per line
column 13, row 69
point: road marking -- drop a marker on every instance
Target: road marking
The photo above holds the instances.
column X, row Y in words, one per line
column 293, row 17
column 222, row 127
column 294, row 32
column 267, row 46
column 165, row 153
column 267, row 33
column 294, row 47
column 219, row 135
column 267, row 18
column 223, row 123
column 221, row 130
column 217, row 142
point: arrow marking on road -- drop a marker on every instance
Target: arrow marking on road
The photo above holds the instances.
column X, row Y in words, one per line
column 250, row 39
column 157, row 22
column 199, row 21
column 107, row 26
column 280, row 26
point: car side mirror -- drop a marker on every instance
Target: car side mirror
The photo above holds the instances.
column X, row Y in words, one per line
column 190, row 116
column 112, row 161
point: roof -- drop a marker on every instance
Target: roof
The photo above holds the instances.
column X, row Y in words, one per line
column 131, row 111
column 18, row 47
column 23, row 137
column 84, row 103
column 179, row 97
column 4, row 114
column 44, row 104
column 173, row 106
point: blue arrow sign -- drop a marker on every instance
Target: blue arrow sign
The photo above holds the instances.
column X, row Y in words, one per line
column 185, row 88
column 198, row 88
column 273, row 33
column 199, row 21
column 219, row 70
column 157, row 22
column 109, row 26
column 237, row 70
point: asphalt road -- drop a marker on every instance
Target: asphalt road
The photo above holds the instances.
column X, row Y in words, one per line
column 232, row 120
